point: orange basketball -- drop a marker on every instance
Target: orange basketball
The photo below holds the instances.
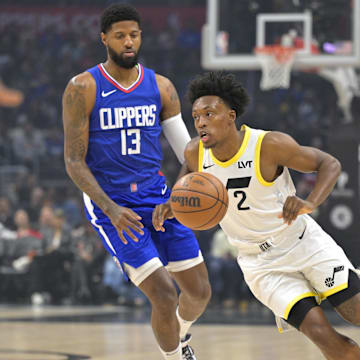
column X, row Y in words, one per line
column 199, row 200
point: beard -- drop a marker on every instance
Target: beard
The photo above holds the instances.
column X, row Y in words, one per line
column 120, row 60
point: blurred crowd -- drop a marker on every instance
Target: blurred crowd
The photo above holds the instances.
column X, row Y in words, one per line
column 48, row 252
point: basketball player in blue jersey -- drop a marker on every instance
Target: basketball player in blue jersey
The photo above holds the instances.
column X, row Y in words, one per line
column 289, row 262
column 113, row 115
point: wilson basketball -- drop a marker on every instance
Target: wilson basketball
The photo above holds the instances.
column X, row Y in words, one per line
column 199, row 200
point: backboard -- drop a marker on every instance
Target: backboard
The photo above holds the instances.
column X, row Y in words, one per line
column 325, row 32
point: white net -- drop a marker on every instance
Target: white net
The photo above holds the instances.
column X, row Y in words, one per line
column 276, row 63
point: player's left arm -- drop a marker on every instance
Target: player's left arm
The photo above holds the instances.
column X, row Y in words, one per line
column 172, row 123
column 279, row 149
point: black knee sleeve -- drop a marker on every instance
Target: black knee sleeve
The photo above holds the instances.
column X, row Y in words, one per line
column 299, row 310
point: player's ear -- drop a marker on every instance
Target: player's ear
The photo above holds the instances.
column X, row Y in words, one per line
column 103, row 38
column 232, row 115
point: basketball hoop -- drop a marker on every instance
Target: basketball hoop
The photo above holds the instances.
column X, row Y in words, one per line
column 276, row 62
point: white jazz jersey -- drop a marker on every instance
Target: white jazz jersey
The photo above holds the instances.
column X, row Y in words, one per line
column 281, row 263
column 254, row 204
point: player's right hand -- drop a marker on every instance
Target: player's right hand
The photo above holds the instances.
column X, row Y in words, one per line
column 160, row 214
column 125, row 219
column 293, row 207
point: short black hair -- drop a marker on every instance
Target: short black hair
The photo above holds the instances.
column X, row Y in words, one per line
column 118, row 12
column 220, row 84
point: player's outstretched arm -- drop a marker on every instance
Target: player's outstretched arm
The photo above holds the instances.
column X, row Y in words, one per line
column 280, row 149
column 78, row 101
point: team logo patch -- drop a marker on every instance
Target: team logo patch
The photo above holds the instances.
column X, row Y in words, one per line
column 105, row 94
column 133, row 187
column 329, row 281
column 163, row 190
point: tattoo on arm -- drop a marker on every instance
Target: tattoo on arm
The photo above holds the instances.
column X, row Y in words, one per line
column 77, row 148
column 75, row 123
column 75, row 102
column 169, row 97
column 76, row 129
column 173, row 95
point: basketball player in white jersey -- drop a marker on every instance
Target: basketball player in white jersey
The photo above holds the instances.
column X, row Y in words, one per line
column 288, row 261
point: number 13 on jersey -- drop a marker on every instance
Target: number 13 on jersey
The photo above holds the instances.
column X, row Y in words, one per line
column 130, row 141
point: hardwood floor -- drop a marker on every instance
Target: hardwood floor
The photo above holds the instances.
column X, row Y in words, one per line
column 57, row 334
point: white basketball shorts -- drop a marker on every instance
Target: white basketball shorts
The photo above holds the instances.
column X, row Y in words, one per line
column 296, row 268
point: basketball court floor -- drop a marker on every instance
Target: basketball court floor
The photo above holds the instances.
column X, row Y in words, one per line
column 121, row 333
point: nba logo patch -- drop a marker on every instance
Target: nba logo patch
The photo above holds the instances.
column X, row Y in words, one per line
column 117, row 262
column 133, row 187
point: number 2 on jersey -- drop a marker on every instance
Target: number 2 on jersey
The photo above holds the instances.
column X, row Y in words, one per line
column 239, row 183
column 130, row 137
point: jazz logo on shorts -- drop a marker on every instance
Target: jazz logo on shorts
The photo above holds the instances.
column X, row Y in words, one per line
column 329, row 282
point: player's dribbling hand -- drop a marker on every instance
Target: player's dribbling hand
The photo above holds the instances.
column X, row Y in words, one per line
column 160, row 214
column 293, row 207
column 125, row 219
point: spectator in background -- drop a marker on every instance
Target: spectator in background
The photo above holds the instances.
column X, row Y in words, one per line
column 6, row 234
column 54, row 143
column 45, row 219
column 117, row 287
column 227, row 281
column 37, row 198
column 21, row 253
column 6, row 213
column 56, row 260
column 24, row 184
column 58, row 237
column 23, row 227
column 28, row 143
column 72, row 206
column 87, row 269
column 28, row 242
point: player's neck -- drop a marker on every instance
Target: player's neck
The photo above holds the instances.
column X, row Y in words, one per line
column 125, row 77
column 229, row 147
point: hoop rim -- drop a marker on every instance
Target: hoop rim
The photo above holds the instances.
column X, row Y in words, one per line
column 282, row 54
column 275, row 48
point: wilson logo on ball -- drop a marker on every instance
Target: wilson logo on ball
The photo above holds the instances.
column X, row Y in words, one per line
column 191, row 201
column 199, row 200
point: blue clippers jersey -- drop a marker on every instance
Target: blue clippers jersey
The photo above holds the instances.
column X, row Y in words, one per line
column 124, row 146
